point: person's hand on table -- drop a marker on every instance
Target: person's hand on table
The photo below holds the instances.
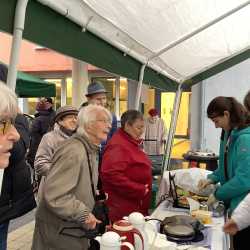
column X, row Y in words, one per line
column 203, row 183
column 230, row 227
column 211, row 200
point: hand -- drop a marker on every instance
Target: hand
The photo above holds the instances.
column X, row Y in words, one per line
column 211, row 200
column 230, row 227
column 91, row 221
column 203, row 183
column 146, row 189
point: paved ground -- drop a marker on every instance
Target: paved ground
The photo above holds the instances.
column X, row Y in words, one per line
column 21, row 232
column 21, row 238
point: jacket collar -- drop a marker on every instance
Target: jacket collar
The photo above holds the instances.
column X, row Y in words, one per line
column 57, row 129
column 84, row 139
column 130, row 138
column 237, row 132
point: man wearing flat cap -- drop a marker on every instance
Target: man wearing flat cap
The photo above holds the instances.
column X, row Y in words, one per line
column 97, row 94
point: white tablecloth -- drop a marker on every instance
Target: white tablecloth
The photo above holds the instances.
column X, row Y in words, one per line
column 219, row 240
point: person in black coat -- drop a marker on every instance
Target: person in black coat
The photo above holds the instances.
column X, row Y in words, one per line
column 17, row 196
column 43, row 122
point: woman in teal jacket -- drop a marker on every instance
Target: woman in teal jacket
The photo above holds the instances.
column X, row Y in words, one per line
column 233, row 172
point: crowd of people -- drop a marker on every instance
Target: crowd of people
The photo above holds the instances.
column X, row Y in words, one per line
column 67, row 149
column 80, row 156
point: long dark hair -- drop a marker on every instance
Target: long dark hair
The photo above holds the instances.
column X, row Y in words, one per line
column 247, row 105
column 247, row 101
column 220, row 104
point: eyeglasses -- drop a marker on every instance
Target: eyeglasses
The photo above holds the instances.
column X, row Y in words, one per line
column 107, row 121
column 5, row 125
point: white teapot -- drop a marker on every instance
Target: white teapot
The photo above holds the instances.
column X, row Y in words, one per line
column 138, row 221
column 152, row 239
column 112, row 241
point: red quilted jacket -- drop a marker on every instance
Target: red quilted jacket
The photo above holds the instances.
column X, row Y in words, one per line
column 125, row 170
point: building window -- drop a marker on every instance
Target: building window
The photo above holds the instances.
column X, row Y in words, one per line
column 57, row 100
column 182, row 137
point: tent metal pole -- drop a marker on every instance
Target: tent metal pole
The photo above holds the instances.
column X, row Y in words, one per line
column 200, row 29
column 172, row 128
column 139, row 87
column 19, row 21
column 117, row 97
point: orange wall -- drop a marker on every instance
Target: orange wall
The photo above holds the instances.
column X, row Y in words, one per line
column 32, row 59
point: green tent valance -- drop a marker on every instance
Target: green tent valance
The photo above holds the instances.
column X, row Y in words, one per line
column 31, row 86
column 28, row 85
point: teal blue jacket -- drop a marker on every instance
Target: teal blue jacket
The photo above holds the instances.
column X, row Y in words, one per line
column 238, row 167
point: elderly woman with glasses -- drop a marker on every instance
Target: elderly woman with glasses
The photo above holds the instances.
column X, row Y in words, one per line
column 126, row 170
column 67, row 199
column 16, row 194
column 65, row 126
column 8, row 133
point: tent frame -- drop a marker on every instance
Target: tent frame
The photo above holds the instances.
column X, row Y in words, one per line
column 19, row 21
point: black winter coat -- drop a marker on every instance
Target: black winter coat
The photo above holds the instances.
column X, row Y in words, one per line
column 41, row 125
column 17, row 196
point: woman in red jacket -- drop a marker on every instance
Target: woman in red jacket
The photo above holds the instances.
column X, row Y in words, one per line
column 126, row 170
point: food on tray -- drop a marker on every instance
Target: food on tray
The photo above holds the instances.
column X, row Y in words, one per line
column 182, row 200
column 204, row 216
column 183, row 194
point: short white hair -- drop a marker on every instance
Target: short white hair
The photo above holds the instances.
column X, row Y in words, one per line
column 88, row 114
column 8, row 107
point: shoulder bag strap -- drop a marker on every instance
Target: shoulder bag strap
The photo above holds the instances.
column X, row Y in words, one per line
column 90, row 170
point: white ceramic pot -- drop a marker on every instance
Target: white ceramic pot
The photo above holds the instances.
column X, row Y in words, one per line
column 113, row 241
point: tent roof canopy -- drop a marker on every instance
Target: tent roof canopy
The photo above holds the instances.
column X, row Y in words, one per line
column 158, row 31
column 181, row 41
column 29, row 85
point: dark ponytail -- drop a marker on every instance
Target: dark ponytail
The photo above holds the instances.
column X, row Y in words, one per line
column 247, row 101
column 247, row 105
column 220, row 104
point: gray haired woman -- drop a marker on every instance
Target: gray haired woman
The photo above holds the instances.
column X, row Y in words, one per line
column 8, row 133
column 67, row 199
column 65, row 126
column 8, row 136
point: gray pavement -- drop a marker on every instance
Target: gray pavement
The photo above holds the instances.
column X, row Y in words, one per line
column 21, row 221
column 21, row 232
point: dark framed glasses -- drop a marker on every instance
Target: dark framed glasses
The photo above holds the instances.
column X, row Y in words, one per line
column 5, row 125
